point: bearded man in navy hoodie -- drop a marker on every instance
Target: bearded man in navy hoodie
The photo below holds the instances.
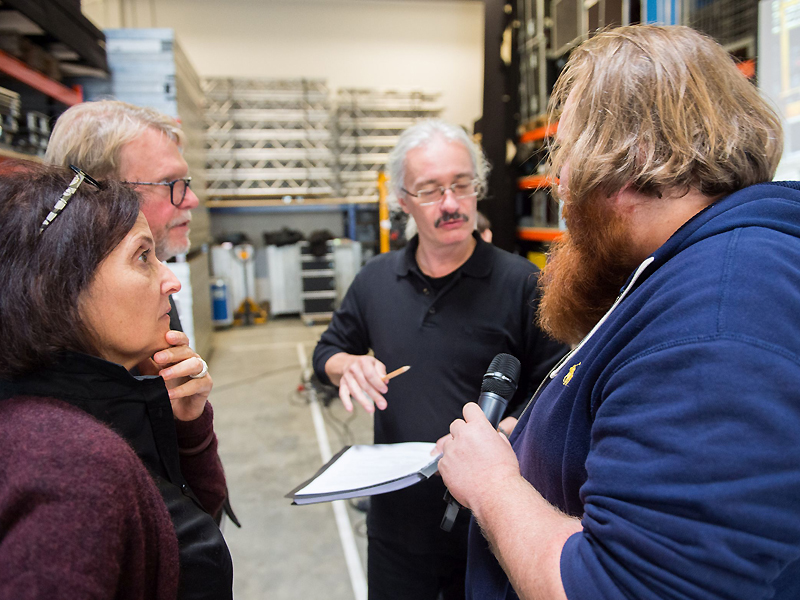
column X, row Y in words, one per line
column 661, row 458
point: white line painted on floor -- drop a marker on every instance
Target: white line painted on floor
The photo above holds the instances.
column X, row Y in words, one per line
column 351, row 557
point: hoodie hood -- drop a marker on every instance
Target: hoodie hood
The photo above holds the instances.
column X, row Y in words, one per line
column 774, row 206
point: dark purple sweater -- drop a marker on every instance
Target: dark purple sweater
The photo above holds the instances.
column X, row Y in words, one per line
column 80, row 517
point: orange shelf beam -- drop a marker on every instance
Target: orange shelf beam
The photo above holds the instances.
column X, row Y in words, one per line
column 539, row 234
column 539, row 133
column 22, row 72
column 534, row 182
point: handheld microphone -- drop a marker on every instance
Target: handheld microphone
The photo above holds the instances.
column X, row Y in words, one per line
column 498, row 386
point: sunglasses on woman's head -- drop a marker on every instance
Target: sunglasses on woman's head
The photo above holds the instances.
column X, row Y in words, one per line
column 80, row 177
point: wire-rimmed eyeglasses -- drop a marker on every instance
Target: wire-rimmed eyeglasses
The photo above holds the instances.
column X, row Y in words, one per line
column 433, row 194
column 177, row 188
column 80, row 177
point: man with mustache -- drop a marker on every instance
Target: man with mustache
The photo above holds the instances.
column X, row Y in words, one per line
column 661, row 458
column 445, row 305
column 110, row 139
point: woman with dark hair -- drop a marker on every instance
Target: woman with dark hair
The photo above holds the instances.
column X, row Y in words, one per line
column 108, row 481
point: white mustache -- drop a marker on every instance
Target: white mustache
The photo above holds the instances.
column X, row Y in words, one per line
column 187, row 218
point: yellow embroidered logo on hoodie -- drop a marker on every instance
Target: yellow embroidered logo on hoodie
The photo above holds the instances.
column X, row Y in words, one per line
column 568, row 376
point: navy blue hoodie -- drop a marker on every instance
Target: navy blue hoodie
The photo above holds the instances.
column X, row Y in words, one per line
column 673, row 430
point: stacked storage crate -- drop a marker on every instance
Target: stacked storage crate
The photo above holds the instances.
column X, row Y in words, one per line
column 267, row 138
column 9, row 116
column 326, row 276
column 148, row 68
column 318, row 283
column 34, row 133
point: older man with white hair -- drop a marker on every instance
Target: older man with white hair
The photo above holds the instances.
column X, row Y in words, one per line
column 445, row 305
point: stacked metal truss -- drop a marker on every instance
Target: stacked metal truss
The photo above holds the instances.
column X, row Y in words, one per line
column 268, row 137
column 366, row 126
column 733, row 23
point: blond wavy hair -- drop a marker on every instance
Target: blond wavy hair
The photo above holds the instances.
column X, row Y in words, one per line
column 660, row 108
column 91, row 135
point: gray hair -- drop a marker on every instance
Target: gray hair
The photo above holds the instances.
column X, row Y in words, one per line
column 91, row 135
column 420, row 134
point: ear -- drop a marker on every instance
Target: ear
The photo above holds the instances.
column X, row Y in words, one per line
column 403, row 204
column 626, row 200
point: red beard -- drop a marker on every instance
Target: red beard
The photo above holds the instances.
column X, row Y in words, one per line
column 585, row 271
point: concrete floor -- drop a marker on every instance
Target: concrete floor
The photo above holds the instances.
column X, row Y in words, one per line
column 268, row 445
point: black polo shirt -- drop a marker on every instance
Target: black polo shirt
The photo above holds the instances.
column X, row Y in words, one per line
column 448, row 337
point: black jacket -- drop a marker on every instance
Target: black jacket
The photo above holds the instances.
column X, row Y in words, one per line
column 449, row 336
column 139, row 410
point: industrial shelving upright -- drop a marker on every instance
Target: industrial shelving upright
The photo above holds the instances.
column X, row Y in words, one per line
column 545, row 32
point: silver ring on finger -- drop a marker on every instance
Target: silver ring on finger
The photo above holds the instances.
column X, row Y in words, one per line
column 203, row 372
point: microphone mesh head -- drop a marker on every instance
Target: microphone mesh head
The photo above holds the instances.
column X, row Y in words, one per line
column 502, row 376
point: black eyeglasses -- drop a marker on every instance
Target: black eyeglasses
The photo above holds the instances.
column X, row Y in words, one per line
column 80, row 177
column 177, row 188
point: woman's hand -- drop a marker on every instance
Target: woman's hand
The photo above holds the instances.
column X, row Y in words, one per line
column 176, row 365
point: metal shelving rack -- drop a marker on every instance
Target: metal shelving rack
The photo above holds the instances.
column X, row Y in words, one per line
column 270, row 138
column 267, row 138
column 43, row 43
column 532, row 47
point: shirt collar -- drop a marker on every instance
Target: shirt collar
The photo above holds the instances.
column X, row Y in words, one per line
column 478, row 265
column 73, row 374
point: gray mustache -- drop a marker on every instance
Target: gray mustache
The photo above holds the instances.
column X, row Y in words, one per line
column 447, row 217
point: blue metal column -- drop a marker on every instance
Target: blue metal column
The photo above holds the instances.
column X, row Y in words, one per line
column 351, row 221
